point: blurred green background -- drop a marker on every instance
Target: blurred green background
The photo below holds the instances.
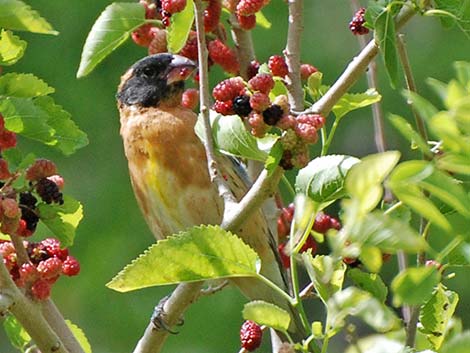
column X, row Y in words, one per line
column 113, row 231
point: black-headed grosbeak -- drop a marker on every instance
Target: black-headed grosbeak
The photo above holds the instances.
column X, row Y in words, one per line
column 168, row 168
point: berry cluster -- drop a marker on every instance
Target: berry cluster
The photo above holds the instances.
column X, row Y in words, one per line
column 47, row 261
column 251, row 101
column 18, row 209
column 251, row 335
column 155, row 38
column 245, row 11
column 322, row 224
column 357, row 23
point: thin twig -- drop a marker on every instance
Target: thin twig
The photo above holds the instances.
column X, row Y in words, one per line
column 213, row 289
column 354, row 70
column 29, row 316
column 410, row 84
column 292, row 54
column 204, row 99
column 244, row 44
column 54, row 317
column 377, row 113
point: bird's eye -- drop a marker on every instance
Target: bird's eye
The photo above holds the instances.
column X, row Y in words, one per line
column 148, row 72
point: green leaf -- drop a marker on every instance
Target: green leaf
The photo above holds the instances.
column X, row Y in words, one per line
column 199, row 253
column 371, row 258
column 62, row 220
column 374, row 9
column 80, row 336
column 274, row 157
column 410, row 134
column 454, row 163
column 376, row 344
column 386, row 40
column 11, row 48
column 19, row 16
column 67, row 134
column 424, row 108
column 23, row 117
column 17, row 335
column 440, row 88
column 414, row 286
column 262, row 21
column 353, row 301
column 323, row 178
column 327, row 275
column 458, row 344
column 178, row 31
column 314, row 85
column 436, row 314
column 23, row 86
column 453, row 12
column 387, row 233
column 370, row 282
column 462, row 69
column 352, row 101
column 409, row 177
column 301, row 226
column 364, row 180
column 111, row 29
column 268, row 314
column 232, row 138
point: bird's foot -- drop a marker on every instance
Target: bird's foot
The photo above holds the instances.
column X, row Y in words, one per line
column 159, row 318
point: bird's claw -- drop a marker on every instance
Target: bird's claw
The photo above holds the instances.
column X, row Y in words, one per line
column 158, row 318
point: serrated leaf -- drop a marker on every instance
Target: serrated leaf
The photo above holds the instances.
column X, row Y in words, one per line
column 386, row 40
column 410, row 133
column 387, row 233
column 326, row 274
column 62, row 220
column 323, row 178
column 23, row 86
column 111, row 29
column 11, row 48
column 352, row 101
column 458, row 344
column 414, row 286
column 262, row 21
column 67, row 134
column 80, row 336
column 364, row 180
column 19, row 16
column 199, row 253
column 436, row 314
column 178, row 31
column 17, row 335
column 370, row 282
column 268, row 314
column 232, row 138
column 23, row 117
column 353, row 301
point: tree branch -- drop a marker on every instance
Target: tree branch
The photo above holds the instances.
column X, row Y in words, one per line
column 244, row 44
column 182, row 297
column 292, row 54
column 29, row 315
column 204, row 99
column 354, row 70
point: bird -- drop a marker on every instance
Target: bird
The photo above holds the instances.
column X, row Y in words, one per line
column 168, row 166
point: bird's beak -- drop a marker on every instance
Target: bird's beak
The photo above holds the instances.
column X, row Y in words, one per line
column 180, row 69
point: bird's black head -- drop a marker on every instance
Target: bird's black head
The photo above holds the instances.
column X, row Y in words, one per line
column 154, row 79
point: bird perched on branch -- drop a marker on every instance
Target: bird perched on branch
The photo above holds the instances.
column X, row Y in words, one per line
column 168, row 168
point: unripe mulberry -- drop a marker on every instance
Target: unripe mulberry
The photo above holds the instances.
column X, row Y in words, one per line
column 259, row 101
column 173, row 6
column 212, row 15
column 41, row 168
column 223, row 107
column 277, row 65
column 226, row 57
column 228, row 89
column 357, row 23
column 250, row 335
column 261, row 82
column 247, row 22
column 249, row 7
